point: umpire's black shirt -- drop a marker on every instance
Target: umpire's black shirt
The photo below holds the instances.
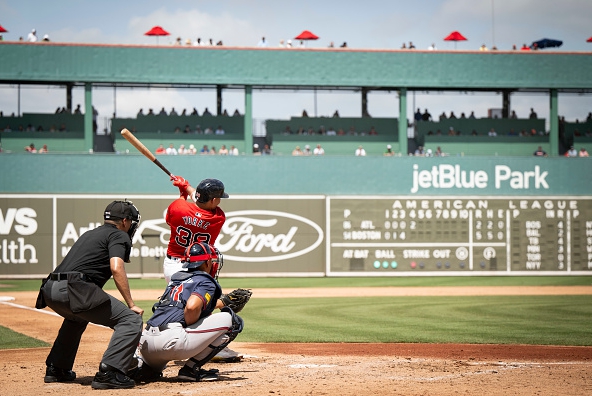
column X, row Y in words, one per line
column 92, row 252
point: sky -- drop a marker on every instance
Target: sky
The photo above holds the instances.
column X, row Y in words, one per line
column 376, row 24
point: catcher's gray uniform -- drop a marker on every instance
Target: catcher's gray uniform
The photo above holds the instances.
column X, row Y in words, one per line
column 167, row 337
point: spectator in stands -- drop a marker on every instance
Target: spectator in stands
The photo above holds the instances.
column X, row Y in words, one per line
column 419, row 152
column 418, row 116
column 318, row 150
column 438, row 152
column 194, row 112
column 223, row 150
column 389, row 151
column 340, row 132
column 472, row 115
column 171, row 150
column 197, row 42
column 150, row 112
column 219, row 130
column 451, row 131
column 204, row 150
column 198, row 129
column 77, row 110
column 213, row 151
column 404, row 46
column 45, row 38
column 352, row 131
column 58, row 110
column 432, row 47
column 310, row 131
column 162, row 112
column 288, row 130
column 304, row 113
column 492, row 132
column 344, row 45
column 40, row 128
column 589, row 117
column 177, row 130
column 206, row 112
column 208, row 131
column 360, row 152
column 262, row 42
column 256, row 150
column 233, row 150
column 583, row 153
column 452, row 116
column 173, row 112
column 572, row 152
column 191, row 150
column 281, row 44
column 322, row 130
column 266, row 150
column 372, row 131
column 236, row 113
column 289, row 44
column 512, row 132
column 443, row 116
column 62, row 127
column 513, row 115
column 182, row 150
column 140, row 113
column 331, row 131
column 307, row 150
column 533, row 115
column 297, row 151
column 336, row 114
column 52, row 128
column 411, row 46
column 7, row 129
column 187, row 129
column 426, row 116
column 540, row 152
column 32, row 37
column 30, row 148
column 483, row 48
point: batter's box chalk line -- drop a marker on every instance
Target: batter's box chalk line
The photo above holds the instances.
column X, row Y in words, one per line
column 6, row 298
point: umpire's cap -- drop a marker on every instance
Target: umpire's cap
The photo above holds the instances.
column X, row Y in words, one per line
column 121, row 210
column 208, row 189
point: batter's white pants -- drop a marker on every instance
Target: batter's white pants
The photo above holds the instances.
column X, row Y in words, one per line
column 170, row 266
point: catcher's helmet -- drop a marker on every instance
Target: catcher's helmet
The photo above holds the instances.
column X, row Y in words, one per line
column 208, row 189
column 200, row 253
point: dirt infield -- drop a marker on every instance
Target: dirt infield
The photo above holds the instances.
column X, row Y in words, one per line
column 321, row 369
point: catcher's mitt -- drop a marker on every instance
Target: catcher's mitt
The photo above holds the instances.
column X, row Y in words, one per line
column 236, row 299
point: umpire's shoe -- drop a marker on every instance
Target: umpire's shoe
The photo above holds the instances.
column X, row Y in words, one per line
column 55, row 374
column 109, row 378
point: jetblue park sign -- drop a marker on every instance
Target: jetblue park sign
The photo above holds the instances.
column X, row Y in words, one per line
column 454, row 177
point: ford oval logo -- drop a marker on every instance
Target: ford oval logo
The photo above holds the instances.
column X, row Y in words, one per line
column 266, row 235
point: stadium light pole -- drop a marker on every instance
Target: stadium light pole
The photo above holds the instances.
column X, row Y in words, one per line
column 492, row 25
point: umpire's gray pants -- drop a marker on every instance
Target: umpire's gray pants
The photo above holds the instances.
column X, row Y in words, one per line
column 127, row 326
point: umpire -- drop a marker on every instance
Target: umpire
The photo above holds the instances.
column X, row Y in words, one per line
column 74, row 291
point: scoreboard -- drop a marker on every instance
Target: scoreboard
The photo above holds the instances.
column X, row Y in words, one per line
column 412, row 235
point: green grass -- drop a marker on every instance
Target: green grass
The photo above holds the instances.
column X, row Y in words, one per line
column 233, row 283
column 537, row 320
column 11, row 340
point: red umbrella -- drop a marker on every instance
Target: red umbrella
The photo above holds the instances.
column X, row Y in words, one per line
column 455, row 36
column 157, row 31
column 2, row 30
column 306, row 35
column 589, row 40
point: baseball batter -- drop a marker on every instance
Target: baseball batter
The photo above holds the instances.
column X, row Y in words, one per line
column 199, row 219
column 183, row 326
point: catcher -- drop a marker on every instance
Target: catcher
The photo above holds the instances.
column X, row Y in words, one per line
column 183, row 326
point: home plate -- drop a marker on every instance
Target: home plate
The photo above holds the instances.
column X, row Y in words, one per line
column 6, row 298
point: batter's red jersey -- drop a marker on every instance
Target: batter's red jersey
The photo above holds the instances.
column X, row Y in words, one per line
column 190, row 224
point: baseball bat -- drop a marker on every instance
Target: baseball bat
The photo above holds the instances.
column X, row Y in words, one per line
column 143, row 149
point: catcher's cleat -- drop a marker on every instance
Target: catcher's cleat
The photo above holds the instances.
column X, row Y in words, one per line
column 109, row 378
column 196, row 374
column 227, row 355
column 55, row 374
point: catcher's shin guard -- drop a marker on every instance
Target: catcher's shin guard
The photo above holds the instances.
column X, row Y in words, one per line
column 237, row 327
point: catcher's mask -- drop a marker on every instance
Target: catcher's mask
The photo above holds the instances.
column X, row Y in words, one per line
column 124, row 210
column 200, row 253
